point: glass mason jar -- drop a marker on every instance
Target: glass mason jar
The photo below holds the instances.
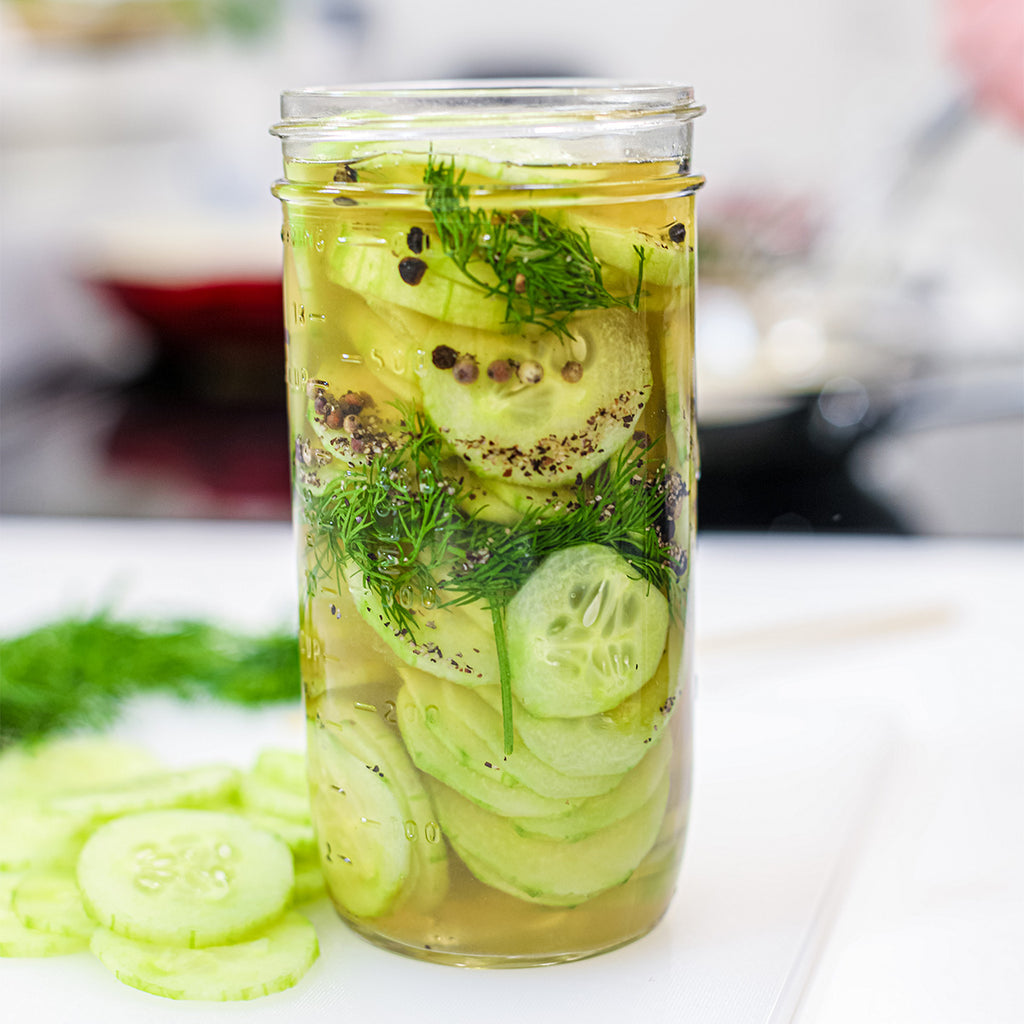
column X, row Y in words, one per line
column 489, row 302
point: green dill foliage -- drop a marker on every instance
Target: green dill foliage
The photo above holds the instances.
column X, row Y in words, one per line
column 397, row 518
column 74, row 673
column 545, row 272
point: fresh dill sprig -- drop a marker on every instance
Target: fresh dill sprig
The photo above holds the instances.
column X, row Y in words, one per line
column 544, row 272
column 74, row 673
column 397, row 518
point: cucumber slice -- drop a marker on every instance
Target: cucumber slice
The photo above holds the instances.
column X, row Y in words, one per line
column 547, row 432
column 373, row 267
column 17, row 940
column 262, row 795
column 272, row 962
column 59, row 766
column 379, row 744
column 309, row 878
column 52, row 902
column 439, row 753
column 584, row 632
column 34, row 836
column 549, row 871
column 191, row 787
column 299, row 835
column 185, row 877
column 365, row 856
column 456, row 642
column 501, row 502
column 478, row 732
column 613, row 741
column 285, row 767
column 636, row 788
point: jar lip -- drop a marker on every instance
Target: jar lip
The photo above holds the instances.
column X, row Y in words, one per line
column 483, row 107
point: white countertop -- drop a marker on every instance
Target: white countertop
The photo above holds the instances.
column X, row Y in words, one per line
column 856, row 845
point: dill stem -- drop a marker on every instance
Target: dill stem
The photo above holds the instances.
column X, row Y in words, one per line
column 504, row 673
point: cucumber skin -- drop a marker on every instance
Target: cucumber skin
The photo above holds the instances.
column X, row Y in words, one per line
column 290, row 944
column 549, row 871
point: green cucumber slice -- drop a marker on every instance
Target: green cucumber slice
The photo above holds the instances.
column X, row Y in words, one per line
column 613, row 741
column 477, row 730
column 309, row 878
column 192, row 787
column 546, row 432
column 370, row 265
column 381, row 744
column 18, row 940
column 551, row 872
column 185, row 877
column 271, row 962
column 59, row 766
column 456, row 642
column 34, row 836
column 584, row 632
column 299, row 835
column 359, row 814
column 52, row 902
column 439, row 753
column 263, row 795
column 636, row 788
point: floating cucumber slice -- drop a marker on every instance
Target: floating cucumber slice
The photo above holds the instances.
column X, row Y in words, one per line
column 665, row 262
column 50, row 901
column 365, row 857
column 485, row 735
column 191, row 787
column 548, row 871
column 456, row 642
column 440, row 754
column 547, row 432
column 388, row 339
column 636, row 788
column 612, row 741
column 380, row 745
column 583, row 633
column 498, row 501
column 376, row 267
column 184, row 877
column 469, row 724
column 271, row 962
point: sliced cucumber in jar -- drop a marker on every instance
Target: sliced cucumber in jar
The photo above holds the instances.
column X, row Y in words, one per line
column 584, row 632
column 455, row 642
column 543, row 870
column 538, row 409
column 612, row 741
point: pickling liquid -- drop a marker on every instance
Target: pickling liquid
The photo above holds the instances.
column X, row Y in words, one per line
column 354, row 349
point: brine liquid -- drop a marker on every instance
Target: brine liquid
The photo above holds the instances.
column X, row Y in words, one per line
column 349, row 337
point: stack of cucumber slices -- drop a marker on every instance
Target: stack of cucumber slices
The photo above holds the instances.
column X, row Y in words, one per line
column 183, row 883
column 475, row 466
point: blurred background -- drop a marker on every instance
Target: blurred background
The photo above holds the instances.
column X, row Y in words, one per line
column 861, row 325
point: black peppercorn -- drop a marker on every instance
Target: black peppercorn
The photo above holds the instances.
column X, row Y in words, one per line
column 414, row 239
column 412, row 269
column 443, row 357
column 677, row 233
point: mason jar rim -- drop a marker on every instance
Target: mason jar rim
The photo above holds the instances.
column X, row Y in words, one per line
column 478, row 108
